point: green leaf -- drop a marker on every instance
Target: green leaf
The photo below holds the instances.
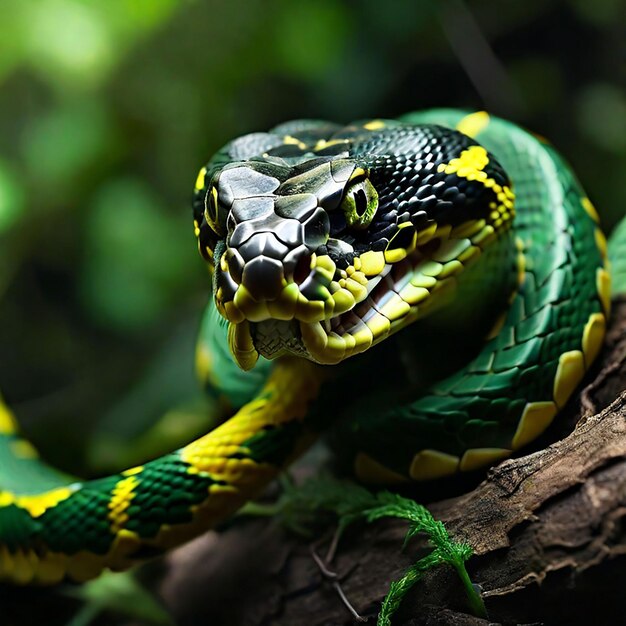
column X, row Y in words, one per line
column 310, row 36
column 136, row 256
column 63, row 143
column 349, row 502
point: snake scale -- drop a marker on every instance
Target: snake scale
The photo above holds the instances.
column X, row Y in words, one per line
column 466, row 233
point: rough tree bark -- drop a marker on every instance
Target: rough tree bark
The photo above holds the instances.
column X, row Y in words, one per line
column 547, row 529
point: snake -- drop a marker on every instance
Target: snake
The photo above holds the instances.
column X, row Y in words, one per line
column 426, row 291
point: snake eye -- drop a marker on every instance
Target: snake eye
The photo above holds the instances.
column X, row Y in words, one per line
column 211, row 211
column 359, row 204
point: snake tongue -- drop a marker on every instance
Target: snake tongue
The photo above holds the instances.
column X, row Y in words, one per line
column 314, row 338
column 241, row 345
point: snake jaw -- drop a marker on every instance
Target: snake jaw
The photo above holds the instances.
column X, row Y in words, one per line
column 241, row 345
column 404, row 291
column 366, row 302
column 325, row 256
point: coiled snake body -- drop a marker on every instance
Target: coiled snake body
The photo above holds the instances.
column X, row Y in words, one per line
column 325, row 242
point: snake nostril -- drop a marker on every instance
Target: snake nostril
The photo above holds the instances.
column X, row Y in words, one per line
column 302, row 269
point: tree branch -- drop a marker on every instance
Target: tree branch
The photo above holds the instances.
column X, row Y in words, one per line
column 547, row 528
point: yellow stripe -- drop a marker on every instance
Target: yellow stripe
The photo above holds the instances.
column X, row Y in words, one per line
column 293, row 141
column 121, row 498
column 284, row 398
column 37, row 504
column 470, row 164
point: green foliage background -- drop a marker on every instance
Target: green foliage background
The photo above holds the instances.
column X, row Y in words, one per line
column 109, row 107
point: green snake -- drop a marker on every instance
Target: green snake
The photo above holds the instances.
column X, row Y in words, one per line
column 429, row 291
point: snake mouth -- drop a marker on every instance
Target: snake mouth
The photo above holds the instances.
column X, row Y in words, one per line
column 392, row 294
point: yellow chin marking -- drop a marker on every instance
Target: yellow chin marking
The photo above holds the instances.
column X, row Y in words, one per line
column 324, row 266
column 310, row 310
column 479, row 457
column 371, row 471
column 284, row 308
column 235, row 315
column 344, row 301
column 473, row 124
column 315, row 338
column 395, row 308
column 414, row 295
column 467, row 229
column 569, row 373
column 379, row 325
column 241, row 345
column 537, row 416
column 431, row 464
column 336, row 347
column 254, row 311
column 330, row 348
column 363, row 338
column 355, row 287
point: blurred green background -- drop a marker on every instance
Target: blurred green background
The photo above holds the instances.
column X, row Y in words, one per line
column 109, row 108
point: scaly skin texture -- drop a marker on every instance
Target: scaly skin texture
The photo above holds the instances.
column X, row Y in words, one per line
column 543, row 287
column 550, row 334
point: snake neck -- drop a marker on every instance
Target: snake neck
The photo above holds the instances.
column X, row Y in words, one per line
column 466, row 312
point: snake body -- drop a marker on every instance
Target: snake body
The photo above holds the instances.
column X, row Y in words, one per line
column 329, row 245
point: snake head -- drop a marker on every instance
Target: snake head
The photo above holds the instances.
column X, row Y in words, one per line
column 324, row 246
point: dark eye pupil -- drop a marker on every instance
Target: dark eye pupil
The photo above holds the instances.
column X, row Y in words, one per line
column 360, row 202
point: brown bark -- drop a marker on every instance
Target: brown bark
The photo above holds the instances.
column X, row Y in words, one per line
column 547, row 529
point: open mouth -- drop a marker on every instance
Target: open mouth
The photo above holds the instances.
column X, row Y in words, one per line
column 383, row 300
